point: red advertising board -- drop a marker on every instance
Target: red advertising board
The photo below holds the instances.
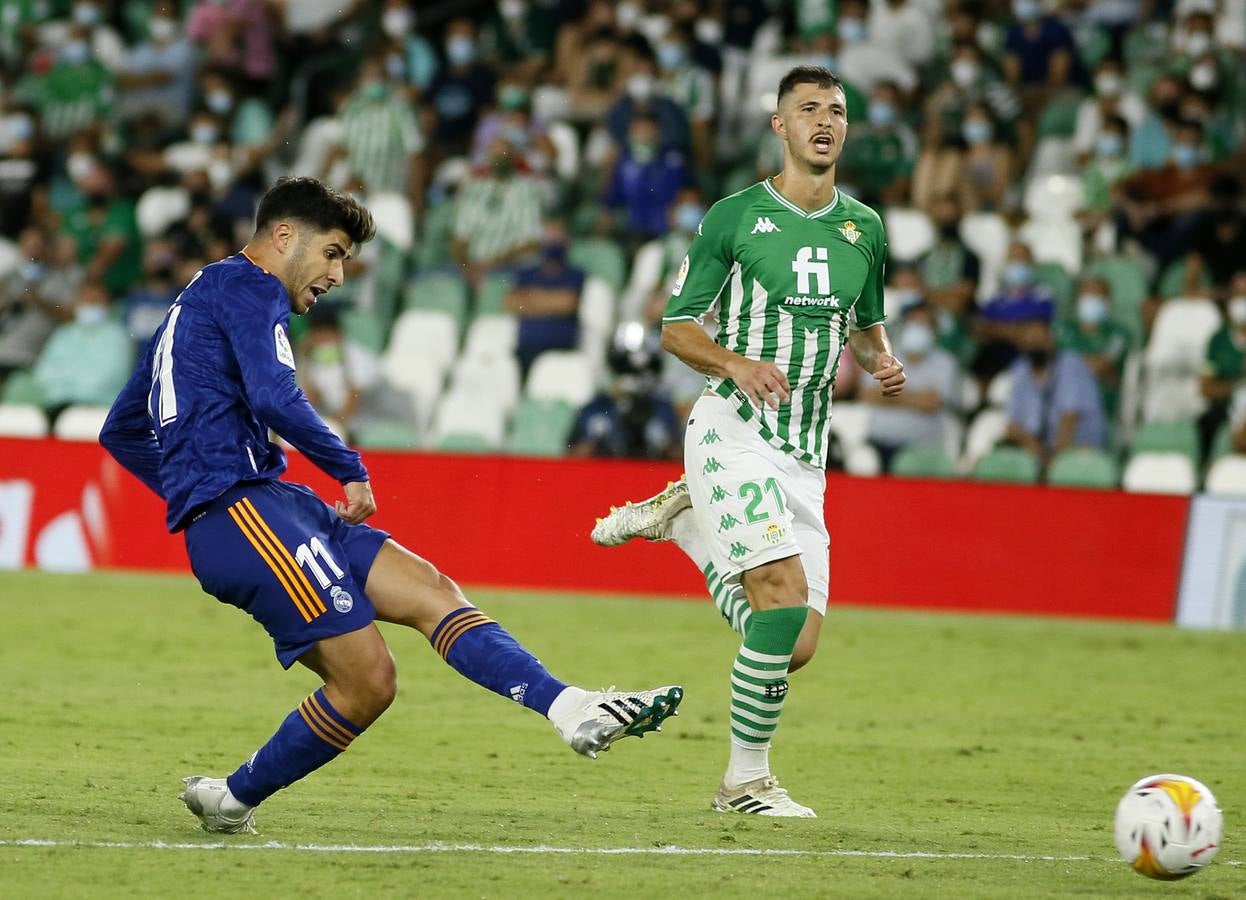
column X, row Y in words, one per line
column 524, row 523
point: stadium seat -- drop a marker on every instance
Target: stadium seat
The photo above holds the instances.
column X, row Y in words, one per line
column 443, row 290
column 464, row 443
column 999, row 391
column 540, row 428
column 491, row 335
column 910, row 233
column 646, row 272
column 596, row 310
column 464, row 412
column 426, row 333
column 22, row 389
column 1159, row 473
column 433, row 247
column 922, row 462
column 1053, row 197
column 863, row 461
column 1172, row 282
column 22, row 420
column 1227, row 476
column 1010, row 464
column 567, row 146
column 1222, row 443
column 1054, row 277
column 988, row 236
column 159, row 208
column 984, row 433
column 953, row 433
column 491, row 298
column 970, row 394
column 386, row 435
column 1054, row 241
column 850, row 422
column 318, row 137
column 562, row 375
column 1167, row 437
column 601, row 258
column 1058, row 118
column 495, row 376
column 1084, row 467
column 420, row 378
column 1173, row 359
column 395, row 221
column 365, row 328
column 80, row 423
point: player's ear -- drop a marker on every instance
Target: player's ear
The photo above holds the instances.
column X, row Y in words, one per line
column 778, row 126
column 283, row 236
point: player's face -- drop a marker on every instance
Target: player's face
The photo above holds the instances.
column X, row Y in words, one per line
column 315, row 267
column 813, row 122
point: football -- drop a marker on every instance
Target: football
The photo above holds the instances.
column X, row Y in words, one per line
column 1168, row 826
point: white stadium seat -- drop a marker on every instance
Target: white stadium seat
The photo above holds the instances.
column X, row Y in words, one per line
column 22, row 420
column 646, row 273
column 984, row 433
column 492, row 336
column 468, row 413
column 988, row 236
column 863, row 461
column 420, row 378
column 999, row 391
column 567, row 145
column 159, row 208
column 953, row 433
column 851, row 424
column 910, row 234
column 1053, row 156
column 428, row 333
column 317, row 140
column 562, row 375
column 495, row 377
column 1054, row 240
column 1173, row 359
column 395, row 221
column 80, row 423
column 1159, row 473
column 596, row 308
column 1053, row 197
column 1227, row 476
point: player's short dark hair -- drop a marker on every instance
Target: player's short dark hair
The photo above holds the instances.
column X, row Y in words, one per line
column 314, row 202
column 821, row 76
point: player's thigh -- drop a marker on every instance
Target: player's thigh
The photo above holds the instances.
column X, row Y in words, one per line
column 360, row 677
column 269, row 550
column 805, row 490
column 409, row 590
column 735, row 480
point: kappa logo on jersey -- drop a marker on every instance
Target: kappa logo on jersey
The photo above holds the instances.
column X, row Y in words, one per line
column 342, row 601
column 849, row 231
column 285, row 355
column 764, row 226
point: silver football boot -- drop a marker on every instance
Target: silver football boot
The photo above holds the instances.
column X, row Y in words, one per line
column 650, row 518
column 608, row 716
column 203, row 796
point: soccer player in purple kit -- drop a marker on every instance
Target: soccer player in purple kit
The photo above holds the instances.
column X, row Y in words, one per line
column 192, row 423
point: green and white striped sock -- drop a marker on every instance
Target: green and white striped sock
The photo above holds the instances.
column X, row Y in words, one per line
column 758, row 689
column 729, row 598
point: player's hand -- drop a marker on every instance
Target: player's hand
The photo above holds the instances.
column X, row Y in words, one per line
column 763, row 382
column 890, row 375
column 359, row 502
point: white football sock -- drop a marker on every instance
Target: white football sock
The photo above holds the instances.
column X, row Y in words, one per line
column 687, row 537
column 567, row 702
column 746, row 764
column 232, row 807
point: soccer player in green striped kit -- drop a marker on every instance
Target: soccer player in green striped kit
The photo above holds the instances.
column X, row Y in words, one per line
column 793, row 269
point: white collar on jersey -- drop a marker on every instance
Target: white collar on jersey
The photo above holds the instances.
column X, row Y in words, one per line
column 796, row 209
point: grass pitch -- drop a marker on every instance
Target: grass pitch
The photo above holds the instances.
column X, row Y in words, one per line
column 946, row 756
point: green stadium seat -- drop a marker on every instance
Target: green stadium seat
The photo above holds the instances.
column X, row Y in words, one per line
column 491, row 299
column 1053, row 277
column 1167, row 437
column 923, row 462
column 433, row 247
column 1128, row 285
column 739, row 178
column 386, row 435
column 22, row 389
column 540, row 428
column 465, row 442
column 1222, row 443
column 585, row 217
column 1059, row 116
column 1008, row 464
column 1084, row 467
column 365, row 328
column 444, row 291
column 391, row 275
column 600, row 258
column 1172, row 281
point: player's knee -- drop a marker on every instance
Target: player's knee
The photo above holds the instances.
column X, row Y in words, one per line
column 801, row 655
column 775, row 586
column 378, row 685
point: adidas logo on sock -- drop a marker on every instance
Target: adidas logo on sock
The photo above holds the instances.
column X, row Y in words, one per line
column 518, row 691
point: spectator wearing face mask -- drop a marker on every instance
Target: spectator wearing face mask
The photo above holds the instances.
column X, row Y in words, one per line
column 947, row 276
column 545, row 296
column 1021, row 299
column 236, row 35
column 1101, row 341
column 591, row 59
column 1039, row 53
column 461, row 90
column 195, row 154
column 1107, row 167
column 77, row 92
column 876, row 164
column 156, row 75
column 103, row 225
column 931, row 388
column 22, row 166
column 646, row 179
column 416, row 56
column 512, row 119
column 693, row 88
column 145, row 306
column 520, row 35
column 1111, row 99
column 1150, row 143
column 27, row 313
column 1224, row 368
column 497, row 215
column 979, row 171
column 904, row 28
column 970, row 80
column 657, row 261
column 86, row 361
column 645, row 96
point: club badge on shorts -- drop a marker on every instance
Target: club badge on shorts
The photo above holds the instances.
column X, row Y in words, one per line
column 342, row 601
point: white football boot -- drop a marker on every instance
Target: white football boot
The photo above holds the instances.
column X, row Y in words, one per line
column 203, row 796
column 608, row 716
column 762, row 797
column 649, row 519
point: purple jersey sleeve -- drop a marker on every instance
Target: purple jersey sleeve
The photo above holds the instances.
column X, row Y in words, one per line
column 127, row 433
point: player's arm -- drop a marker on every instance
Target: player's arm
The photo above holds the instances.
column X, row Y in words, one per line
column 702, row 277
column 266, row 362
column 127, row 434
column 868, row 337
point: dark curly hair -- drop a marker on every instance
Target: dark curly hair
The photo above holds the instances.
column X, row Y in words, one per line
column 314, row 202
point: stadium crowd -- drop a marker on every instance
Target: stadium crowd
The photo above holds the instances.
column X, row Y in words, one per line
column 1061, row 182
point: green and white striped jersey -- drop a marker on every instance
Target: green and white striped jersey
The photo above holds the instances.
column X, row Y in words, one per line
column 787, row 285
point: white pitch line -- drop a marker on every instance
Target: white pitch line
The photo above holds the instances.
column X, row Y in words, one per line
column 541, row 848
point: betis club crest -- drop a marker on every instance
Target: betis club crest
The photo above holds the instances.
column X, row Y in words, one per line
column 849, row 231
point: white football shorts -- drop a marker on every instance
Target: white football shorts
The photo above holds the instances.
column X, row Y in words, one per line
column 754, row 503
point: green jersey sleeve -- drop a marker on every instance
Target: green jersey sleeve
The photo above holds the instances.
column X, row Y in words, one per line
column 868, row 310
column 707, row 266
